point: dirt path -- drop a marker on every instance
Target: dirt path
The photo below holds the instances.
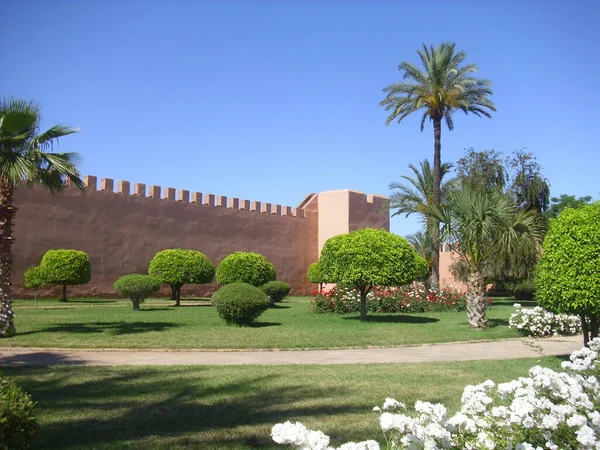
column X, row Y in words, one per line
column 503, row 349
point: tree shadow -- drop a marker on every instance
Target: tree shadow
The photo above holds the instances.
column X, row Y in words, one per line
column 37, row 359
column 493, row 323
column 395, row 318
column 114, row 328
column 278, row 306
column 154, row 308
column 264, row 324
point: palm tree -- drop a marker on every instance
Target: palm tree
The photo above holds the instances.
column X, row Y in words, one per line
column 441, row 88
column 482, row 225
column 25, row 160
column 416, row 199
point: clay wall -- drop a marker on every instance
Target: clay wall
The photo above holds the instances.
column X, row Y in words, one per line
column 122, row 230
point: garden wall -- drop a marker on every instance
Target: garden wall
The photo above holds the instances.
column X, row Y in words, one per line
column 122, row 228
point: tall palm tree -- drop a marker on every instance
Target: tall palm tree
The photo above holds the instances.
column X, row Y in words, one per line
column 442, row 87
column 482, row 225
column 416, row 199
column 25, row 160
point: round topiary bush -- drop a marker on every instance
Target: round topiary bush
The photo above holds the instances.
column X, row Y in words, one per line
column 523, row 290
column 240, row 303
column 66, row 268
column 276, row 290
column 136, row 288
column 17, row 416
column 177, row 267
column 245, row 267
column 313, row 275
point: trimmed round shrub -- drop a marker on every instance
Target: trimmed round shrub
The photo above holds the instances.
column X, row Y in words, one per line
column 66, row 268
column 523, row 290
column 34, row 278
column 136, row 288
column 177, row 267
column 17, row 416
column 240, row 303
column 276, row 290
column 245, row 267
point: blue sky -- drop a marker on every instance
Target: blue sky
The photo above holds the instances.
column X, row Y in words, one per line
column 273, row 100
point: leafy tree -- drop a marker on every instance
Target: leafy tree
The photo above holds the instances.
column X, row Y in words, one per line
column 421, row 243
column 314, row 275
column 443, row 86
column 482, row 170
column 24, row 158
column 367, row 258
column 177, row 267
column 136, row 287
column 567, row 277
column 482, row 224
column 66, row 268
column 35, row 279
column 245, row 267
column 417, row 198
column 529, row 188
column 557, row 204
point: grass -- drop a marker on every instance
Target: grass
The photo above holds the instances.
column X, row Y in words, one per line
column 234, row 407
column 97, row 323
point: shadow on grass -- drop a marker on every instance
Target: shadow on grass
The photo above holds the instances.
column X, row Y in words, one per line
column 510, row 302
column 395, row 318
column 264, row 324
column 493, row 323
column 114, row 328
column 279, row 306
column 182, row 408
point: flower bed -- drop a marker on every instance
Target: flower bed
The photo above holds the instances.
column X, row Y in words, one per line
column 386, row 300
column 538, row 322
column 546, row 410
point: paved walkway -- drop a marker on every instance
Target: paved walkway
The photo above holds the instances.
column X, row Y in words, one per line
column 504, row 349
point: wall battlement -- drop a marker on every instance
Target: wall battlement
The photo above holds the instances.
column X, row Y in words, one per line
column 107, row 185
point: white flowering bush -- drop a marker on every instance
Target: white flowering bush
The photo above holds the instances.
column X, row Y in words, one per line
column 538, row 322
column 546, row 410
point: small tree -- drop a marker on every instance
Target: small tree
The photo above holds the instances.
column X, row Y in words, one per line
column 568, row 274
column 66, row 268
column 177, row 267
column 136, row 287
column 368, row 258
column 314, row 275
column 35, row 279
column 245, row 267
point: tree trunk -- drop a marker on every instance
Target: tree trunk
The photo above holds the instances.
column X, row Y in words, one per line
column 585, row 329
column 476, row 304
column 7, row 214
column 173, row 293
column 136, row 305
column 594, row 325
column 437, row 197
column 177, row 295
column 363, row 303
column 64, row 295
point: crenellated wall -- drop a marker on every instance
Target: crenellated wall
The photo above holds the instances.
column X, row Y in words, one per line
column 122, row 227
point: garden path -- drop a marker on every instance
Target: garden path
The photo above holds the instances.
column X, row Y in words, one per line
column 464, row 351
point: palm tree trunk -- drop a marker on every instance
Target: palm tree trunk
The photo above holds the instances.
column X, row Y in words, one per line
column 437, row 196
column 476, row 304
column 7, row 214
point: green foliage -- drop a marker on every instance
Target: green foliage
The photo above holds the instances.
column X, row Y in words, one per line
column 177, row 267
column 66, row 267
column 567, row 276
column 482, row 170
column 17, row 417
column 35, row 278
column 566, row 201
column 136, row 287
column 529, row 188
column 245, row 267
column 422, row 268
column 369, row 258
column 523, row 290
column 276, row 290
column 240, row 303
column 313, row 275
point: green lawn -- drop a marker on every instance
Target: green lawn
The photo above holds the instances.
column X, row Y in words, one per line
column 93, row 323
column 234, row 407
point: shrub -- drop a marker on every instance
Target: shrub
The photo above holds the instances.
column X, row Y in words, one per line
column 538, row 322
column 136, row 287
column 244, row 267
column 17, row 416
column 567, row 276
column 313, row 275
column 523, row 290
column 276, row 290
column 368, row 258
column 66, row 268
column 177, row 267
column 240, row 303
